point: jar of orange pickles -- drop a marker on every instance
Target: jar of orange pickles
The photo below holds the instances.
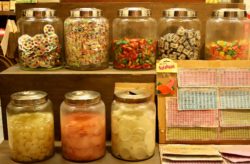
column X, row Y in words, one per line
column 83, row 132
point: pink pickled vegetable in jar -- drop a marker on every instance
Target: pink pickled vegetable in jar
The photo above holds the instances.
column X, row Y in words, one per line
column 83, row 130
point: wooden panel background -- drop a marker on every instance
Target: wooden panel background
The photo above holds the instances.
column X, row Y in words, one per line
column 110, row 9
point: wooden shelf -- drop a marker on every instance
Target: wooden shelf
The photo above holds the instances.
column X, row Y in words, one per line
column 15, row 70
column 57, row 158
column 7, row 13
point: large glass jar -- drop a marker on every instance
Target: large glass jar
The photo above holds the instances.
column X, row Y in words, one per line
column 40, row 40
column 226, row 37
column 134, row 39
column 83, row 126
column 30, row 126
column 133, row 126
column 179, row 35
column 86, row 35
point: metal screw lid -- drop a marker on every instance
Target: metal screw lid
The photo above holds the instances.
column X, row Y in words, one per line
column 29, row 97
column 180, row 12
column 132, row 96
column 230, row 13
column 39, row 12
column 82, row 97
column 86, row 12
column 134, row 12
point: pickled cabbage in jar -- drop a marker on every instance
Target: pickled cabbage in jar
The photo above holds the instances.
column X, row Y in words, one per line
column 133, row 131
column 31, row 136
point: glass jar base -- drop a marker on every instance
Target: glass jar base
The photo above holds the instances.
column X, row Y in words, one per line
column 46, row 158
column 40, row 68
column 92, row 67
column 80, row 161
column 130, row 69
column 133, row 160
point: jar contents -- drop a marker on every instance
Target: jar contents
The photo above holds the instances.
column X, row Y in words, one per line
column 223, row 50
column 182, row 45
column 31, row 136
column 134, row 54
column 86, row 42
column 133, row 132
column 41, row 50
column 83, row 136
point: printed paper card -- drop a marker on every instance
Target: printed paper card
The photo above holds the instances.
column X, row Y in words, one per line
column 189, row 118
column 197, row 98
column 236, row 158
column 234, row 98
column 242, row 150
column 189, row 150
column 236, row 133
column 234, row 118
column 197, row 77
column 234, row 77
column 178, row 158
column 191, row 134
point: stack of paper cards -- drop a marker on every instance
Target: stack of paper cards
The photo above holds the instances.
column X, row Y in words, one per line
column 190, row 153
column 236, row 154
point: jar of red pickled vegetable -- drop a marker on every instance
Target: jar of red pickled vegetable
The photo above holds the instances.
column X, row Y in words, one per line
column 133, row 125
column 134, row 39
column 40, row 40
column 83, row 132
column 179, row 35
column 226, row 35
column 86, row 35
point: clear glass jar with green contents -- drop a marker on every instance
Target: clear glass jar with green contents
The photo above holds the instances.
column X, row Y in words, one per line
column 133, row 119
column 30, row 126
column 83, row 126
column 134, row 39
column 86, row 35
column 40, row 40
column 227, row 35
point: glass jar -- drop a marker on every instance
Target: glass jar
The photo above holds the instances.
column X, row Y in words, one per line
column 133, row 126
column 179, row 35
column 86, row 35
column 83, row 132
column 226, row 37
column 134, row 39
column 30, row 126
column 40, row 40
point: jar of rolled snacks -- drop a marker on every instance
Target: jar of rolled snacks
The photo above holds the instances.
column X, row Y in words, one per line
column 133, row 126
column 83, row 127
column 40, row 40
column 134, row 39
column 86, row 35
column 179, row 35
column 30, row 127
column 227, row 35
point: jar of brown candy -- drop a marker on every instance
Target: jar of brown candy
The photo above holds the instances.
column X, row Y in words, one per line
column 179, row 35
column 83, row 126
